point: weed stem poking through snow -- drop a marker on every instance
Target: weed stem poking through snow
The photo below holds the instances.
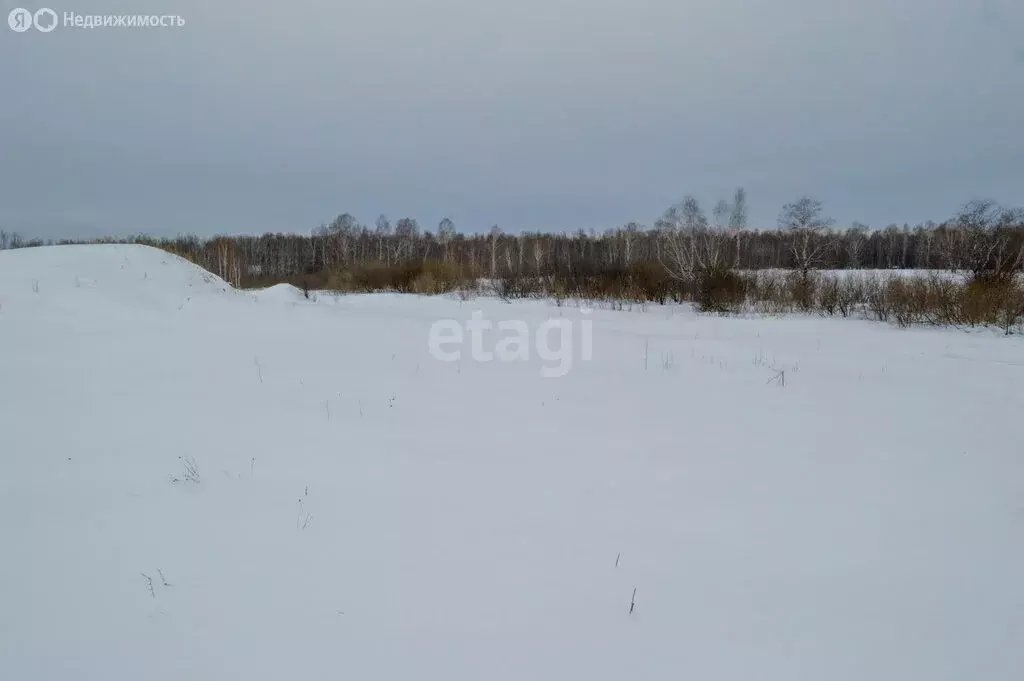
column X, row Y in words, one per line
column 149, row 584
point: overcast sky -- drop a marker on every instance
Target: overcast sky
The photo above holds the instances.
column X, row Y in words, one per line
column 529, row 114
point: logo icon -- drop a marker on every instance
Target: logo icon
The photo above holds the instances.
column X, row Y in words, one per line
column 20, row 19
column 45, row 19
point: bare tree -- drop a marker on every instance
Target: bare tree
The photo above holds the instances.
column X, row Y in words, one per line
column 678, row 227
column 721, row 214
column 811, row 241
column 738, row 223
column 445, row 234
column 382, row 232
column 539, row 252
column 494, row 236
column 407, row 231
column 809, row 228
column 691, row 246
column 629, row 238
column 855, row 238
column 340, row 232
column 982, row 237
column 738, row 216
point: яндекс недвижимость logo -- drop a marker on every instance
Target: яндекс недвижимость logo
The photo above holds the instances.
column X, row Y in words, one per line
column 45, row 20
column 21, row 20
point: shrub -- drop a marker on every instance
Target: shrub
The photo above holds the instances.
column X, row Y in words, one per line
column 440, row 277
column 876, row 298
column 990, row 298
column 649, row 282
column 768, row 292
column 829, row 296
column 431, row 277
column 850, row 295
column 427, row 283
column 1011, row 310
column 720, row 290
column 802, row 287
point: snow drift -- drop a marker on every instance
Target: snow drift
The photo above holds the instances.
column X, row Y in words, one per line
column 285, row 293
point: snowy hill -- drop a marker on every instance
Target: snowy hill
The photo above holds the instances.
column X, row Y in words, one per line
column 114, row 268
column 789, row 498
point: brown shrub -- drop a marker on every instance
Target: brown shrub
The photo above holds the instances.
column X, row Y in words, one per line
column 802, row 287
column 1011, row 311
column 829, row 294
column 720, row 290
column 649, row 282
column 431, row 277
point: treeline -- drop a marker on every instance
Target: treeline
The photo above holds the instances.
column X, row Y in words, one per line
column 713, row 260
column 684, row 243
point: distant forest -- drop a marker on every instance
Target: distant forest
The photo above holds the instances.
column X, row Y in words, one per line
column 685, row 240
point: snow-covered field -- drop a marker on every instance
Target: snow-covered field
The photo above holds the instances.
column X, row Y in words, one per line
column 790, row 498
column 952, row 275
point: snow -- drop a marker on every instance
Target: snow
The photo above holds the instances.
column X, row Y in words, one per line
column 366, row 511
column 882, row 274
column 284, row 293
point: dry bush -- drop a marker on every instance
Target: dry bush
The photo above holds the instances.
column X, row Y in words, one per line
column 639, row 283
column 943, row 300
column 426, row 283
column 904, row 300
column 833, row 294
column 431, row 277
column 987, row 299
column 768, row 293
column 850, row 296
column 512, row 287
column 939, row 300
column 559, row 291
column 363, row 278
column 876, row 298
column 1011, row 311
column 440, row 277
column 720, row 290
column 802, row 289
column 649, row 282
column 829, row 294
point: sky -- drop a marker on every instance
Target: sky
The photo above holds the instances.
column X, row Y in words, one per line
column 551, row 115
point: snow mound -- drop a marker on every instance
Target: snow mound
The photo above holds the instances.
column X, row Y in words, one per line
column 126, row 273
column 284, row 293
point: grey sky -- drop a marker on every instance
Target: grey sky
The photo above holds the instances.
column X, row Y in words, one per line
column 532, row 114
